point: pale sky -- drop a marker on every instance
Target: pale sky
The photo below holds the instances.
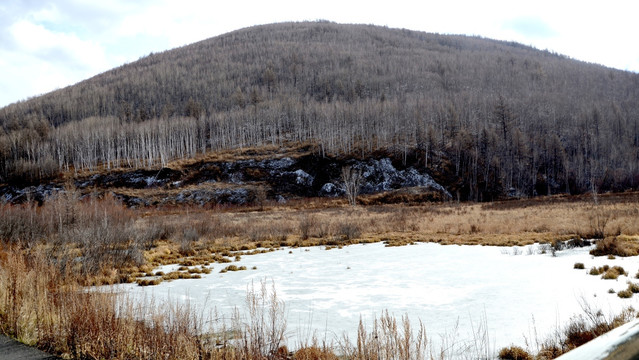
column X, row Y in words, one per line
column 47, row 44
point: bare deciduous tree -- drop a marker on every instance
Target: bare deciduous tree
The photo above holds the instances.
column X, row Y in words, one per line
column 352, row 179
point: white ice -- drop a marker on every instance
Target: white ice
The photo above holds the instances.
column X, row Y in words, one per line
column 518, row 293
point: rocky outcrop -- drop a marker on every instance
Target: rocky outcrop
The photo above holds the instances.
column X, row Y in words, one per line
column 15, row 194
column 239, row 182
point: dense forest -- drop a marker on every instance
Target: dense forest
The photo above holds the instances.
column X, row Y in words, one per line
column 493, row 118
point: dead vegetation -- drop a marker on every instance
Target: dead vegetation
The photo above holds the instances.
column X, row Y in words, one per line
column 579, row 330
column 323, row 221
column 41, row 279
column 119, row 245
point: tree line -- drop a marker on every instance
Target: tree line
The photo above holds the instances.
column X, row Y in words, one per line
column 488, row 118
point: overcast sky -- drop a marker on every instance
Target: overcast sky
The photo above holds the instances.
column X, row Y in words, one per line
column 46, row 44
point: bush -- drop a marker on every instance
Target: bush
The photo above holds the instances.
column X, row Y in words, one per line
column 625, row 294
column 599, row 218
column 149, row 282
column 578, row 332
column 579, row 266
column 307, row 224
column 611, row 245
column 633, row 287
column 514, row 353
column 233, row 268
column 314, row 353
column 349, row 231
column 613, row 273
column 189, row 236
column 620, row 270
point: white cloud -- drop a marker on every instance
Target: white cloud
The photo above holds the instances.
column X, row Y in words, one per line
column 55, row 47
column 45, row 44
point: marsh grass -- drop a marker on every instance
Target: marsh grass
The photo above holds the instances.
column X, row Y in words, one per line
column 319, row 222
column 40, row 307
column 580, row 329
column 616, row 246
column 514, row 353
column 233, row 268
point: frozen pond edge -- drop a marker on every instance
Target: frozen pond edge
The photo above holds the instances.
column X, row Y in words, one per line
column 519, row 293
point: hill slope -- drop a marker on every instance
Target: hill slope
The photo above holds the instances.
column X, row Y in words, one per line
column 486, row 118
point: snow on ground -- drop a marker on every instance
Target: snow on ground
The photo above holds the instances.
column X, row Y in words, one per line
column 517, row 293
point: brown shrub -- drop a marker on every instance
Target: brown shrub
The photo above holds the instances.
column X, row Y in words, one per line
column 612, row 245
column 613, row 273
column 349, row 230
column 594, row 271
column 307, row 223
column 598, row 219
column 514, row 353
column 625, row 294
column 314, row 352
column 577, row 333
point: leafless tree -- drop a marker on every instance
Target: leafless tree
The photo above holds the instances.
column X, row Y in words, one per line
column 352, row 179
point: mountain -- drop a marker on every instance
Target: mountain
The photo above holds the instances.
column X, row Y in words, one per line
column 485, row 118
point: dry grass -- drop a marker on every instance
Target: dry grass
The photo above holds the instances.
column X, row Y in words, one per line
column 613, row 273
column 616, row 246
column 514, row 353
column 39, row 307
column 322, row 222
column 579, row 330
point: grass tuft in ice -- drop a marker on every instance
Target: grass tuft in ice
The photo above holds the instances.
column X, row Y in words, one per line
column 634, row 287
column 613, row 273
column 514, row 353
column 233, row 268
column 625, row 294
column 579, row 266
column 149, row 282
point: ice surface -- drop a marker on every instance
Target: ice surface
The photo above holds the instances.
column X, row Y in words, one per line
column 451, row 289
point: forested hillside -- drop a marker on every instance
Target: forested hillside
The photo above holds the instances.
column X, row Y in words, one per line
column 488, row 118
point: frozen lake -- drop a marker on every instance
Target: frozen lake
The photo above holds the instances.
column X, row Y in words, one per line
column 451, row 289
